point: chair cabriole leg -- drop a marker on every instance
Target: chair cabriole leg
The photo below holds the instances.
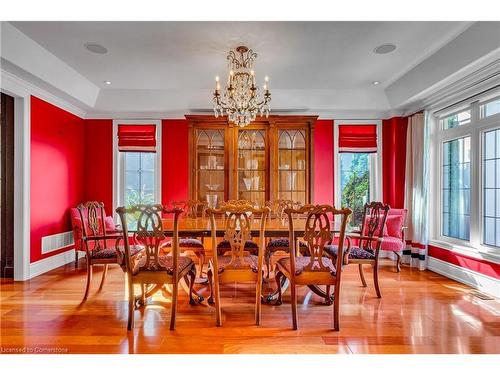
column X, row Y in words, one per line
column 375, row 279
column 362, row 275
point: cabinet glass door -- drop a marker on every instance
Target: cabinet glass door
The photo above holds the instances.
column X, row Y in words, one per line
column 210, row 165
column 292, row 165
column 252, row 165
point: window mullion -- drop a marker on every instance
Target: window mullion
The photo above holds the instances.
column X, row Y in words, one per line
column 475, row 184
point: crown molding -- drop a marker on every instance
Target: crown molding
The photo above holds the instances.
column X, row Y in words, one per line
column 482, row 79
column 32, row 89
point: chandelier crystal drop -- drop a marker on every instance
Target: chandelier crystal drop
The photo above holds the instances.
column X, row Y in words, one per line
column 240, row 100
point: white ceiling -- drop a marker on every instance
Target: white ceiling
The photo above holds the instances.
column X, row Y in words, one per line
column 169, row 67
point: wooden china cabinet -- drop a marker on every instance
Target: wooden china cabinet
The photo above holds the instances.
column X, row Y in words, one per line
column 267, row 160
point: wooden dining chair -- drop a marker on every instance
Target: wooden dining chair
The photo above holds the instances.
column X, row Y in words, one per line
column 191, row 209
column 236, row 267
column 318, row 268
column 99, row 246
column 151, row 267
column 365, row 244
column 280, row 244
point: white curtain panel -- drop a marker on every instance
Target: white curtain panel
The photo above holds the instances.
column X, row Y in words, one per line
column 416, row 194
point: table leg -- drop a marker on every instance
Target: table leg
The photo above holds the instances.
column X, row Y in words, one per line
column 272, row 297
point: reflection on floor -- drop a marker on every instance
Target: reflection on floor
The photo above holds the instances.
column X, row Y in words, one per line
column 420, row 312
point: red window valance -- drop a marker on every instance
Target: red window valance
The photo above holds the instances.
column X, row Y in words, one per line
column 358, row 138
column 137, row 138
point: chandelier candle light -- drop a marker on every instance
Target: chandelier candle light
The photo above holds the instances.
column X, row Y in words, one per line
column 240, row 99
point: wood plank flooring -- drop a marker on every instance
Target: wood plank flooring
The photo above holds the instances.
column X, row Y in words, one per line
column 420, row 312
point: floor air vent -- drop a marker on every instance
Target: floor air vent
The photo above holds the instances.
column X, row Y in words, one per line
column 57, row 241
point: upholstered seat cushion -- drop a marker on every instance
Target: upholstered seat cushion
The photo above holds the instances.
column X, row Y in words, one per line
column 224, row 246
column 166, row 263
column 302, row 262
column 392, row 244
column 111, row 252
column 252, row 261
column 354, row 253
column 283, row 242
column 187, row 242
column 120, row 254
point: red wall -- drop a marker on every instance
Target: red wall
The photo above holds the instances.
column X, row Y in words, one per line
column 175, row 156
column 482, row 266
column 323, row 162
column 99, row 162
column 57, row 171
column 394, row 160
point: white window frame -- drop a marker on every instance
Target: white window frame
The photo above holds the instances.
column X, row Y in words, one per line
column 118, row 164
column 475, row 130
column 375, row 166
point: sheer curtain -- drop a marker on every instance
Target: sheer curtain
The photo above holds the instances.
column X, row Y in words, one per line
column 417, row 187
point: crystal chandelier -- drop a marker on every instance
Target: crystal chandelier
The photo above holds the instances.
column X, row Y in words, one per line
column 240, row 99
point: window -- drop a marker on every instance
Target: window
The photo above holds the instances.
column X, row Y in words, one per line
column 355, row 183
column 137, row 164
column 490, row 108
column 456, row 120
column 491, row 188
column 456, row 188
column 465, row 177
column 139, row 183
column 357, row 165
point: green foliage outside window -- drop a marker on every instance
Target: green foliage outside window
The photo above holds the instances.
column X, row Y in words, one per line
column 355, row 184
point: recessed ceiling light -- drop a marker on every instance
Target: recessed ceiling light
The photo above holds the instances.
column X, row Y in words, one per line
column 385, row 48
column 96, row 48
column 107, row 82
column 375, row 83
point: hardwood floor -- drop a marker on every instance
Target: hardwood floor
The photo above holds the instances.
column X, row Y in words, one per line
column 420, row 312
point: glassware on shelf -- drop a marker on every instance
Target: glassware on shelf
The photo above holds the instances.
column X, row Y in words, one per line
column 252, row 164
column 248, row 182
column 256, row 181
column 291, row 180
column 212, row 200
column 212, row 162
column 285, row 166
column 212, row 187
column 301, row 164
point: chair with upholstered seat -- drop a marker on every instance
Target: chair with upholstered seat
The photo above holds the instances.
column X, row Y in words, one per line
column 152, row 267
column 366, row 244
column 394, row 233
column 76, row 224
column 318, row 268
column 236, row 266
column 99, row 246
column 280, row 244
column 192, row 209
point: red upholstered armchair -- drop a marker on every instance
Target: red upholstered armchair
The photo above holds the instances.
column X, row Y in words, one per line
column 394, row 233
column 76, row 224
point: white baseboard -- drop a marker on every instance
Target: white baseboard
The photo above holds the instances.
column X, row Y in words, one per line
column 48, row 264
column 473, row 279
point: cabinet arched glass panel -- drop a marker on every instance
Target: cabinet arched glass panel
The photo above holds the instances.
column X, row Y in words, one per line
column 252, row 165
column 210, row 165
column 292, row 149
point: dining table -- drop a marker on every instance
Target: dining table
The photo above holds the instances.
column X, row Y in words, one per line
column 200, row 227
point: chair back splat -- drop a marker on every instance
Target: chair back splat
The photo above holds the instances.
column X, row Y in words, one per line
column 191, row 209
column 318, row 234
column 92, row 217
column 150, row 267
column 374, row 218
column 318, row 267
column 238, row 267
